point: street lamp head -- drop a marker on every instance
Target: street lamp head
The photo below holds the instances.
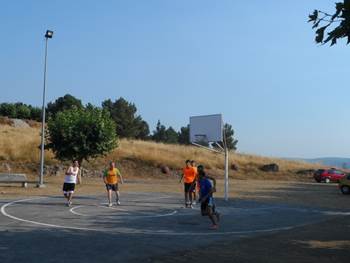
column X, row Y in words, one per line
column 49, row 34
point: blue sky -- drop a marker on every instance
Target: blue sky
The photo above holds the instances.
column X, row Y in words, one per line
column 253, row 61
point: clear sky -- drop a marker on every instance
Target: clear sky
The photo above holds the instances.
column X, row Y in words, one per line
column 253, row 61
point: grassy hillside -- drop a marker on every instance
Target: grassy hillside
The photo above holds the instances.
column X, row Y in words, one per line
column 20, row 145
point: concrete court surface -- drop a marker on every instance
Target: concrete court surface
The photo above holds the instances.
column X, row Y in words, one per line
column 144, row 226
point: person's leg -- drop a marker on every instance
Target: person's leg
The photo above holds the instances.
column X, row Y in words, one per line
column 109, row 195
column 193, row 193
column 216, row 213
column 64, row 189
column 69, row 198
column 117, row 194
column 190, row 197
column 211, row 216
column 70, row 193
column 186, row 194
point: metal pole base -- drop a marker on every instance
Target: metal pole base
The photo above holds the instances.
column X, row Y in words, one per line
column 41, row 185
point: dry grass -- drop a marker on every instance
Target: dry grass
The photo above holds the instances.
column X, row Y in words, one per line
column 175, row 155
column 21, row 145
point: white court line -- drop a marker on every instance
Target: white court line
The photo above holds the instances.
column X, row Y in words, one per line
column 3, row 211
column 72, row 210
column 76, row 213
column 146, row 232
column 115, row 208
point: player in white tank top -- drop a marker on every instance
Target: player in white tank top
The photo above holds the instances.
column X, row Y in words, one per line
column 70, row 180
column 71, row 175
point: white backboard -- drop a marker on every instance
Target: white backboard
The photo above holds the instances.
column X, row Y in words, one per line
column 208, row 128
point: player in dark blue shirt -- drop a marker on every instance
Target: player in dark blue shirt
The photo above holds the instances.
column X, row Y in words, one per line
column 206, row 197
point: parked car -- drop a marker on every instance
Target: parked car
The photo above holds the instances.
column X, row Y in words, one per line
column 328, row 175
column 344, row 185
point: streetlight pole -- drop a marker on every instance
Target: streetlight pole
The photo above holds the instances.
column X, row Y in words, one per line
column 42, row 145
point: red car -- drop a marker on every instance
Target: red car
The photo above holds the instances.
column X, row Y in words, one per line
column 328, row 175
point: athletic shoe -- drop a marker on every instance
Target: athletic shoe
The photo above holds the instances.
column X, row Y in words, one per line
column 69, row 203
column 110, row 205
column 214, row 227
column 118, row 202
column 190, row 206
column 194, row 203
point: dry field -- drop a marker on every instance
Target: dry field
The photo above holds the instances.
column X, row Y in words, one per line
column 20, row 145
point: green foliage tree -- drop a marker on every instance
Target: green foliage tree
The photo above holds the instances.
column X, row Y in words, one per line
column 184, row 135
column 230, row 140
column 165, row 135
column 35, row 113
column 337, row 24
column 128, row 123
column 20, row 110
column 8, row 110
column 81, row 133
column 143, row 130
column 171, row 136
column 63, row 103
column 159, row 135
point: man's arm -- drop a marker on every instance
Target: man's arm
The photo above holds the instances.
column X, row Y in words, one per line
column 182, row 177
column 121, row 177
column 69, row 170
column 213, row 189
column 104, row 177
column 79, row 176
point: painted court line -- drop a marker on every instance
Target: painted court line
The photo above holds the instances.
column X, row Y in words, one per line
column 3, row 211
column 72, row 210
column 153, row 232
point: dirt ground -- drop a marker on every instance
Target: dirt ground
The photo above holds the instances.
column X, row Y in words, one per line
column 326, row 241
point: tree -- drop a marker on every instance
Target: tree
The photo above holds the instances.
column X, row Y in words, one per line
column 63, row 103
column 171, row 136
column 8, row 110
column 128, row 123
column 80, row 133
column 143, row 130
column 231, row 142
column 159, row 135
column 20, row 110
column 165, row 135
column 336, row 24
column 35, row 113
column 184, row 135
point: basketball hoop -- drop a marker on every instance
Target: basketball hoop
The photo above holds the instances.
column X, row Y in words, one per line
column 208, row 130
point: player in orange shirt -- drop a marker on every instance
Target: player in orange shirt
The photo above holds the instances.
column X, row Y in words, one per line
column 189, row 177
column 110, row 178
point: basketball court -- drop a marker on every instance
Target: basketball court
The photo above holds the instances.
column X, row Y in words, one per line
column 144, row 225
